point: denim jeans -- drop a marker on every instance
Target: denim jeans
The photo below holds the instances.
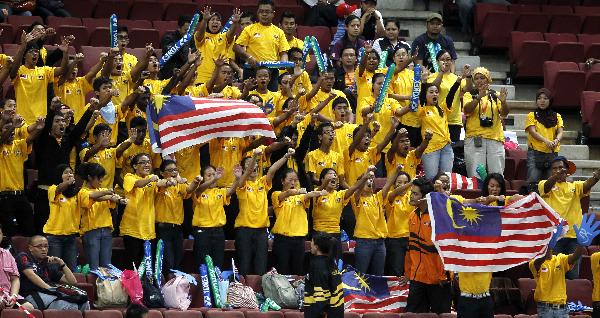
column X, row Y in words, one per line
column 545, row 311
column 535, row 174
column 370, row 256
column 98, row 247
column 395, row 249
column 490, row 154
column 438, row 161
column 567, row 246
column 475, row 308
column 64, row 247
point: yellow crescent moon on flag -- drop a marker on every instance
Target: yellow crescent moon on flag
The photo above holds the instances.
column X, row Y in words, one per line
column 450, row 213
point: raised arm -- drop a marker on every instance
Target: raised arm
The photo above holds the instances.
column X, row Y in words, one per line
column 388, row 137
column 235, row 25
column 39, row 127
column 589, row 183
column 421, row 148
column 26, row 38
column 361, row 133
column 6, row 68
column 142, row 64
column 201, row 30
column 70, row 67
column 127, row 143
column 64, row 62
column 91, row 74
column 278, row 164
column 358, row 185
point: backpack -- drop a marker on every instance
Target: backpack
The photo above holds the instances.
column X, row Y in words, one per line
column 153, row 297
column 109, row 289
column 278, row 288
column 176, row 293
column 67, row 293
column 240, row 296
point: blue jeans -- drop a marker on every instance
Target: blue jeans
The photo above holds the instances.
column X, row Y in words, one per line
column 370, row 256
column 545, row 311
column 535, row 174
column 567, row 246
column 438, row 161
column 98, row 247
column 64, row 247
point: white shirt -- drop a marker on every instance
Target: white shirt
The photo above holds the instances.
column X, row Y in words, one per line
column 312, row 3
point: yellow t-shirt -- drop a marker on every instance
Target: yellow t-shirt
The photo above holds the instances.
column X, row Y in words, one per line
column 565, row 198
column 124, row 84
column 402, row 84
column 252, row 197
column 188, row 162
column 169, row 204
column 343, row 139
column 31, row 91
column 485, row 108
column 321, row 95
column 474, row 283
column 156, row 85
column 303, row 81
column 226, row 153
column 139, row 215
column 107, row 158
column 129, row 61
column 548, row 133
column 327, row 211
column 438, row 124
column 274, row 98
column 397, row 214
column 364, row 88
column 114, row 126
column 96, row 215
column 384, row 117
column 448, row 80
column 12, row 159
column 72, row 93
column 595, row 262
column 229, row 92
column 317, row 160
column 264, row 43
column 65, row 213
column 291, row 215
column 410, row 163
column 359, row 162
column 125, row 161
column 209, row 208
column 211, row 47
column 370, row 218
column 551, row 284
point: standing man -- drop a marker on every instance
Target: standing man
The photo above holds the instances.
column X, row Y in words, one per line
column 169, row 40
column 431, row 42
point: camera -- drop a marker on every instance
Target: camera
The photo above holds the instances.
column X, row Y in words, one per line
column 486, row 121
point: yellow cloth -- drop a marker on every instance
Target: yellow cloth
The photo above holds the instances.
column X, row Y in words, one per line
column 139, row 215
column 124, row 84
column 208, row 208
column 548, row 133
column 364, row 88
column 31, row 91
column 550, row 281
column 229, row 91
column 275, row 98
column 211, row 47
column 72, row 93
column 384, row 117
column 397, row 214
column 438, row 124
column 485, row 108
column 291, row 215
column 96, row 215
column 129, row 61
column 303, row 81
column 343, row 139
column 21, row 132
column 403, row 85
column 565, row 198
column 107, row 158
column 327, row 211
column 317, row 160
column 226, row 153
column 169, row 204
column 125, row 161
column 595, row 260
column 12, row 158
column 370, row 218
column 252, row 197
column 65, row 213
column 474, row 283
column 359, row 162
column 410, row 163
column 264, row 43
column 327, row 111
column 188, row 162
column 448, row 79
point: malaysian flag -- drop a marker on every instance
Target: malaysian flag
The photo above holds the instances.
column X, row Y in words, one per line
column 479, row 238
column 366, row 293
column 178, row 122
column 460, row 182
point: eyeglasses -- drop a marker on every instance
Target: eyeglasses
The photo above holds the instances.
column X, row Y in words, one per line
column 41, row 246
column 123, row 37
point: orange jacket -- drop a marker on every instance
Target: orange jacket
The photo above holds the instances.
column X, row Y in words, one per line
column 423, row 264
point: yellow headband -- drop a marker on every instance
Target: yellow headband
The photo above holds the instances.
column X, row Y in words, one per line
column 483, row 71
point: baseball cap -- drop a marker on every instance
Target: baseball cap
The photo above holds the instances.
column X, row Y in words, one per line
column 344, row 9
column 435, row 16
column 571, row 167
column 375, row 1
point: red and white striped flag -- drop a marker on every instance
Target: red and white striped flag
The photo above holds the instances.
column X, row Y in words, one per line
column 460, row 182
column 367, row 293
column 178, row 122
column 479, row 238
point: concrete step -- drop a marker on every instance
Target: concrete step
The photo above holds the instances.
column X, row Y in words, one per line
column 511, row 90
column 569, row 138
column 586, row 167
column 516, row 121
column 495, row 63
column 573, row 152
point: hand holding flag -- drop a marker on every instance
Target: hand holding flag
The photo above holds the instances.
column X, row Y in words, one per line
column 587, row 231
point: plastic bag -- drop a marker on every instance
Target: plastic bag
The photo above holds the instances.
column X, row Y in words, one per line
column 133, row 286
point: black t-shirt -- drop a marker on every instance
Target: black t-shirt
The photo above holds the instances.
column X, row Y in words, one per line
column 49, row 273
column 421, row 41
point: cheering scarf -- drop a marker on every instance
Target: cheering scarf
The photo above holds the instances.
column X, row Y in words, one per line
column 305, row 49
column 434, row 49
column 318, row 54
column 148, row 259
column 112, row 26
column 160, row 251
column 384, row 88
column 414, row 99
column 383, row 59
column 183, row 41
column 108, row 113
column 227, row 25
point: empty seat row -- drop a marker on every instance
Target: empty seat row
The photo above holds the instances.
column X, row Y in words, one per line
column 560, row 2
column 577, row 290
column 567, row 80
column 529, row 50
column 590, row 113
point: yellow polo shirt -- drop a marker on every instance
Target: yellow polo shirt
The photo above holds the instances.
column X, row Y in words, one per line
column 397, row 214
column 489, row 108
column 292, row 219
column 410, row 163
column 252, row 197
column 565, row 198
column 169, row 204
column 264, row 43
column 96, row 215
column 438, row 124
column 551, row 284
column 72, row 93
column 370, row 218
column 65, row 213
column 548, row 133
column 317, row 160
column 327, row 211
column 31, row 91
column 12, row 159
column 139, row 215
column 209, row 208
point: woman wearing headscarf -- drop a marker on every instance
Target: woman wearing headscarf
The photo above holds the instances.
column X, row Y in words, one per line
column 544, row 129
column 484, row 140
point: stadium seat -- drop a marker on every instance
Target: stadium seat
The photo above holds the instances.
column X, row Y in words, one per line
column 583, row 10
column 502, row 316
column 268, row 314
column 80, row 32
column 55, row 22
column 592, row 77
column 566, row 82
column 139, row 24
column 579, row 290
column 590, row 112
column 140, row 37
column 591, row 44
column 493, row 23
column 182, row 314
column 155, row 313
column 8, row 33
column 532, row 22
column 80, row 8
column 386, row 315
column 468, row 194
column 103, row 314
column 17, row 313
column 556, row 9
column 224, row 314
column 527, row 286
column 100, row 37
column 146, row 10
column 443, row 315
column 565, row 47
column 55, row 313
column 510, row 168
column 419, row 315
column 224, row 8
column 176, row 9
column 507, row 301
column 322, row 34
column 18, row 20
column 565, row 23
column 522, row 8
column 585, row 270
column 10, row 49
column 93, row 23
column 293, row 314
column 591, row 24
column 254, row 281
column 164, row 27
column 297, row 10
column 517, row 184
column 91, row 56
column 528, row 51
column 591, row 3
column 564, row 2
column 105, row 8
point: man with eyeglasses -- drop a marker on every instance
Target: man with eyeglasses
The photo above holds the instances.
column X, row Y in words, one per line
column 41, row 272
column 129, row 60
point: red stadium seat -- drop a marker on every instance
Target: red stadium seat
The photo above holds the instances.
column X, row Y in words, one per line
column 224, row 314
column 224, row 8
column 565, row 47
column 591, row 44
column 140, row 37
column 293, row 314
column 17, row 313
column 585, row 270
column 254, row 281
column 556, row 9
column 522, row 8
column 566, row 82
column 481, row 11
column 18, row 20
column 182, row 314
column 564, row 2
column 54, row 313
column 297, row 10
column 510, row 168
column 591, row 3
column 93, row 23
column 528, row 51
column 268, row 314
column 8, row 33
column 146, row 10
column 80, row 32
column 582, row 10
column 565, row 23
column 55, row 22
column 80, row 8
column 579, row 290
column 532, row 22
column 590, row 112
column 196, row 293
column 493, row 23
column 177, row 9
column 105, row 8
column 517, row 184
column 155, row 313
column 591, row 24
column 322, row 34
column 527, row 286
column 164, row 27
column 419, row 315
column 10, row 49
column 592, row 77
column 443, row 315
column 139, row 24
column 100, row 37
column 103, row 314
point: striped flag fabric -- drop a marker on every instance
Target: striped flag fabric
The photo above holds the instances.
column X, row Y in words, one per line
column 178, row 122
column 479, row 238
column 367, row 293
column 460, row 182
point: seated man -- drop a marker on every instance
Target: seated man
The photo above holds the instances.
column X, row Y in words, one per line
column 41, row 272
